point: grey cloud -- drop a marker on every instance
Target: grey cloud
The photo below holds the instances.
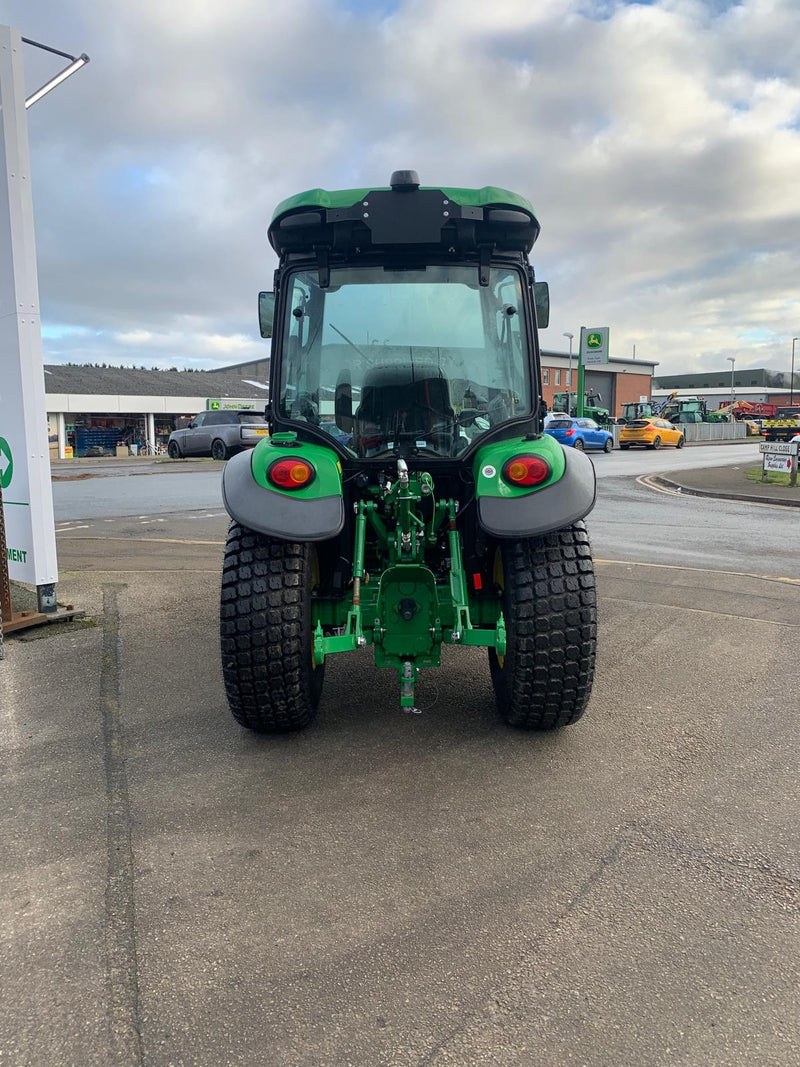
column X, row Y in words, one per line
column 655, row 141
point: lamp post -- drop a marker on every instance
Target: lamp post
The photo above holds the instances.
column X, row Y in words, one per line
column 569, row 372
column 732, row 362
column 791, row 379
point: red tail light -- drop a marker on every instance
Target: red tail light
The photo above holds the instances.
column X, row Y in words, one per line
column 526, row 470
column 291, row 473
column 568, row 433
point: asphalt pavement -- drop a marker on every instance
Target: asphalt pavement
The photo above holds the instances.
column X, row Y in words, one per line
column 396, row 889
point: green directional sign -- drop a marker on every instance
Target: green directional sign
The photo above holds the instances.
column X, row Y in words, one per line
column 6, row 464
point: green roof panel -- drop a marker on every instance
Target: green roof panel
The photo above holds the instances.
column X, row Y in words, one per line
column 341, row 198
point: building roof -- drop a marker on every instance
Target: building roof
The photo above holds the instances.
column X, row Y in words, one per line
column 644, row 366
column 745, row 377
column 250, row 365
column 128, row 381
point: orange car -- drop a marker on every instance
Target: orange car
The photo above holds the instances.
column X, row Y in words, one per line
column 652, row 433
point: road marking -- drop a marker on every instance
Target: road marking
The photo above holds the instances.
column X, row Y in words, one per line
column 149, row 540
column 700, row 570
column 719, row 614
column 644, row 479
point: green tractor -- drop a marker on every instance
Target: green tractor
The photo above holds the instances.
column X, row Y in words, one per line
column 592, row 406
column 407, row 496
column 644, row 409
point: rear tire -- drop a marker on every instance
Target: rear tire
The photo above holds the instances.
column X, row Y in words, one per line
column 265, row 632
column 544, row 680
column 578, row 446
column 219, row 450
column 624, row 448
column 656, row 443
column 173, row 450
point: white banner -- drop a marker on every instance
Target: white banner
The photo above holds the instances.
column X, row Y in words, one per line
column 24, row 452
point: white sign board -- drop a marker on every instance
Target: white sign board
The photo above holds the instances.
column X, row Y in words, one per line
column 24, row 452
column 594, row 346
column 783, row 448
column 777, row 461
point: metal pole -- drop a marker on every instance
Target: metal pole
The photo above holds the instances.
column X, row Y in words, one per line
column 569, row 373
column 791, row 379
column 581, row 377
column 732, row 362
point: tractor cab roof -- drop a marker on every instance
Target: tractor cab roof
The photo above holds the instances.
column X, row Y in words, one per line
column 403, row 217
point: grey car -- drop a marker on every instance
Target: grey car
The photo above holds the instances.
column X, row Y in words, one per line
column 218, row 434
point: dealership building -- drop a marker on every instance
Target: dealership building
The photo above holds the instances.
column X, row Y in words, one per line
column 93, row 410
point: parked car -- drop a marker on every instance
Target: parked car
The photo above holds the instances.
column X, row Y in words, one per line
column 218, row 434
column 651, row 433
column 580, row 434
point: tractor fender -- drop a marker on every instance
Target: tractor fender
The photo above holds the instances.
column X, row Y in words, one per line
column 315, row 513
column 556, row 505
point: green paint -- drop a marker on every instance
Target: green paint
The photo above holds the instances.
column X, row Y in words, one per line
column 6, row 464
column 410, row 611
column 328, row 480
column 489, row 195
column 16, row 555
column 490, row 459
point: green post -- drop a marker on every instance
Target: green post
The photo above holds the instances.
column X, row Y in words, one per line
column 581, row 388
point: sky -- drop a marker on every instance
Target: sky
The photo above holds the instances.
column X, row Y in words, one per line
column 658, row 142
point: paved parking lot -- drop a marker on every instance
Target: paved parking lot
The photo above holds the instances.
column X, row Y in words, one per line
column 396, row 889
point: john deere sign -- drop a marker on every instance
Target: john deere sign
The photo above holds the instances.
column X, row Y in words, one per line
column 594, row 346
column 229, row 404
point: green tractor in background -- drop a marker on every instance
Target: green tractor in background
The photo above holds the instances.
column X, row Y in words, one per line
column 592, row 406
column 407, row 496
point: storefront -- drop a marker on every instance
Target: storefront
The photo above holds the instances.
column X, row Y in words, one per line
column 83, row 422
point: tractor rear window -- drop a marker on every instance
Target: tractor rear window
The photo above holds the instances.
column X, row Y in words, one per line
column 419, row 360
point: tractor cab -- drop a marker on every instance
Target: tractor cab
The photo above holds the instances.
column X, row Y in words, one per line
column 407, row 495
column 404, row 324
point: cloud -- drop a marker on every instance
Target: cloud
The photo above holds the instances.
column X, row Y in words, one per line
column 658, row 142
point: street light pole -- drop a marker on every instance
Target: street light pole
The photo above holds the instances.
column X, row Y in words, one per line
column 791, row 379
column 732, row 362
column 569, row 372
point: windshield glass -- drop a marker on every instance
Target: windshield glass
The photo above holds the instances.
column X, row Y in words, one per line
column 421, row 360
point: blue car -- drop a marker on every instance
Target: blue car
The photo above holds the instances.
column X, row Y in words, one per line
column 580, row 434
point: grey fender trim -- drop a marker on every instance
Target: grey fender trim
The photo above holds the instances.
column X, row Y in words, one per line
column 273, row 513
column 559, row 505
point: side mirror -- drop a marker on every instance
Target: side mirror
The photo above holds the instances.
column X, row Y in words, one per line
column 541, row 300
column 266, row 313
column 343, row 403
column 191, row 425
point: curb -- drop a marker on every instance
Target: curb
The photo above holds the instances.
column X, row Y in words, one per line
column 684, row 490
